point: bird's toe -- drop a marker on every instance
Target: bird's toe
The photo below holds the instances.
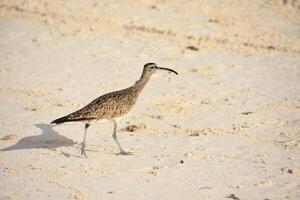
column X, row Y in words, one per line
column 125, row 153
column 82, row 150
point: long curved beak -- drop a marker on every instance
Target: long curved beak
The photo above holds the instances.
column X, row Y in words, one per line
column 167, row 69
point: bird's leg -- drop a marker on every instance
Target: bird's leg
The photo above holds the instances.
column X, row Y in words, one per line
column 83, row 144
column 122, row 152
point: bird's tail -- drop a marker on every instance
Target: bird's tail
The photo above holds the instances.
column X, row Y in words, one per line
column 60, row 120
column 71, row 118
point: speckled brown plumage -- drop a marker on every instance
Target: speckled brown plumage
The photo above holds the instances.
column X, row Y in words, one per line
column 112, row 105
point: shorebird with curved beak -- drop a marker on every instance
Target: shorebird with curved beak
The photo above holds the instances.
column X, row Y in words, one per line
column 112, row 105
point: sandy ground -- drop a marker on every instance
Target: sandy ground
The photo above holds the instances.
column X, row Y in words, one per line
column 228, row 127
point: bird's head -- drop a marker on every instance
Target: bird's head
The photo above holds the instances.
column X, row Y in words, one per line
column 151, row 68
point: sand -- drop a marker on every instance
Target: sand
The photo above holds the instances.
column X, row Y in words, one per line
column 228, row 127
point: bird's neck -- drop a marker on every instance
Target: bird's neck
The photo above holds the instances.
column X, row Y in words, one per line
column 141, row 83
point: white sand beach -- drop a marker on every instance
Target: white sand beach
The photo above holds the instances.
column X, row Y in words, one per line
column 227, row 127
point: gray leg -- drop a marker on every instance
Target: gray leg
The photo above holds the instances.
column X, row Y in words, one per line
column 83, row 144
column 122, row 152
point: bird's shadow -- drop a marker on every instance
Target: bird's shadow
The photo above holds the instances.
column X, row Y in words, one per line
column 48, row 139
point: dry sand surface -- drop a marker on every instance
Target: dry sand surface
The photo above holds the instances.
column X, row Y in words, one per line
column 228, row 127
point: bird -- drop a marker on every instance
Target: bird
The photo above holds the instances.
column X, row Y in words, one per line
column 111, row 106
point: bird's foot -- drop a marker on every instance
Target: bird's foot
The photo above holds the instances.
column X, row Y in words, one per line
column 82, row 150
column 124, row 153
